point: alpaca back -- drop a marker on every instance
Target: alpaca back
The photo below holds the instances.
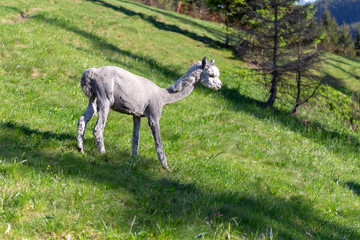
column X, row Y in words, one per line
column 121, row 90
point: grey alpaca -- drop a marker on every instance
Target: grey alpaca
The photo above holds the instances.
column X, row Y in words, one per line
column 117, row 89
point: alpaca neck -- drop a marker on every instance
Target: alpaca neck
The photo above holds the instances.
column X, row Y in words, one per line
column 184, row 86
column 171, row 97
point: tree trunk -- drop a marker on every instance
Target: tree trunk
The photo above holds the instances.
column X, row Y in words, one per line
column 298, row 87
column 298, row 78
column 275, row 72
column 227, row 37
column 227, row 40
column 273, row 90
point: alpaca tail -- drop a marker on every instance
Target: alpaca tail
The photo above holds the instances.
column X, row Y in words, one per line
column 86, row 82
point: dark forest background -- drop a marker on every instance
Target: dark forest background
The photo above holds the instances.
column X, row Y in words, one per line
column 344, row 11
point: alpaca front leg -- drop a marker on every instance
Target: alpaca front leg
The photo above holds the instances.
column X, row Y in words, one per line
column 155, row 128
column 99, row 129
column 136, row 136
column 82, row 122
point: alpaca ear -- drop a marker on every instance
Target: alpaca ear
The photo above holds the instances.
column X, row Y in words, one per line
column 212, row 61
column 204, row 62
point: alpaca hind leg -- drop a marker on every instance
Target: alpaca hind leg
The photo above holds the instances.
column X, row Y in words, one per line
column 136, row 136
column 82, row 122
column 155, row 128
column 99, row 128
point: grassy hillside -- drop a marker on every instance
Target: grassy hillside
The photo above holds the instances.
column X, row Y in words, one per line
column 240, row 171
column 346, row 71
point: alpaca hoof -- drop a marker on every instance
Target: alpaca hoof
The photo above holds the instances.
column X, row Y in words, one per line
column 166, row 167
column 80, row 149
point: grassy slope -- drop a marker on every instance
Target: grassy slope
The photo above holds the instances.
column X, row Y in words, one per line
column 239, row 170
column 345, row 70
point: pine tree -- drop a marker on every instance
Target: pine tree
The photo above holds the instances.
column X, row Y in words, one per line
column 276, row 26
column 306, row 58
column 331, row 29
column 231, row 10
column 346, row 41
column 357, row 41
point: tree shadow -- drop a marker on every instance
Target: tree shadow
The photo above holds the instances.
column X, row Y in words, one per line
column 352, row 59
column 160, row 25
column 177, row 17
column 313, row 130
column 331, row 58
column 170, row 200
column 44, row 135
column 343, row 70
column 12, row 8
column 337, row 84
column 353, row 187
column 102, row 44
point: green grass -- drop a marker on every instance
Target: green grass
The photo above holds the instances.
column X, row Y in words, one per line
column 240, row 171
column 345, row 71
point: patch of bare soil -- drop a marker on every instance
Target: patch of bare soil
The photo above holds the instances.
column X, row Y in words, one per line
column 22, row 16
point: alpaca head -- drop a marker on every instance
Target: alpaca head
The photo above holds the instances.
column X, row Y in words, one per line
column 210, row 76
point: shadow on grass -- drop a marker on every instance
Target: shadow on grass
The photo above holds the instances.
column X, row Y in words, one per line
column 102, row 44
column 353, row 187
column 160, row 25
column 22, row 129
column 175, row 204
column 313, row 130
column 332, row 58
column 178, row 18
column 343, row 70
column 337, row 84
